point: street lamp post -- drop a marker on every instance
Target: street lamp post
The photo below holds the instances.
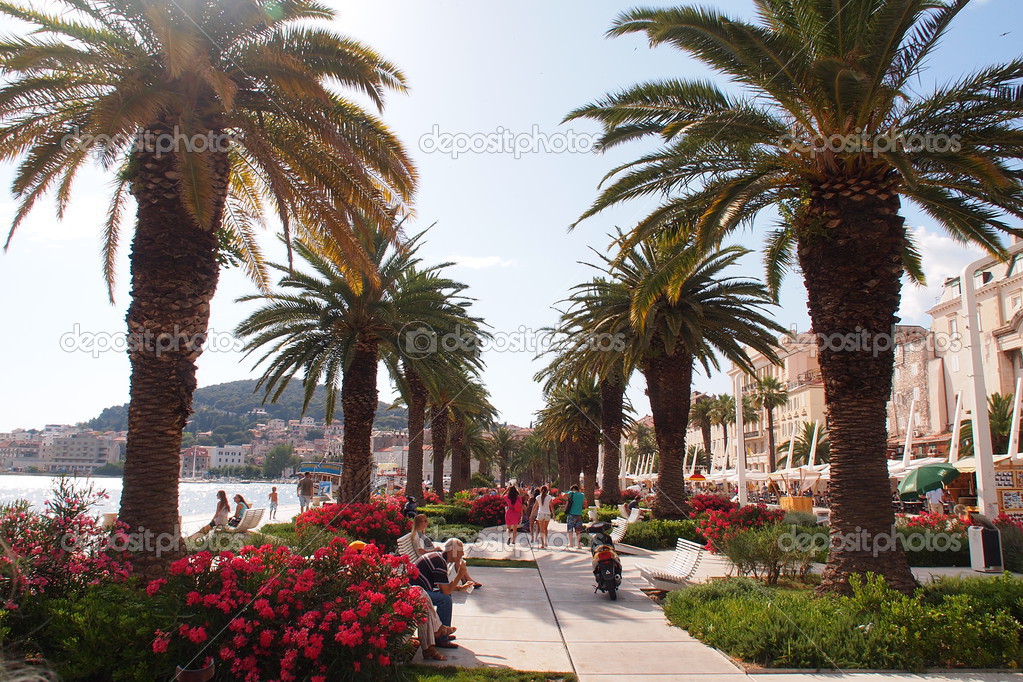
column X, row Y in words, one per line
column 987, row 494
column 740, row 441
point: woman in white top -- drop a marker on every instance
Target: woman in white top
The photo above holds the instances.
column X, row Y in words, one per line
column 543, row 514
column 420, row 543
column 220, row 516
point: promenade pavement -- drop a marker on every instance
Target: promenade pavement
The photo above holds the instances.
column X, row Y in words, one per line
column 548, row 619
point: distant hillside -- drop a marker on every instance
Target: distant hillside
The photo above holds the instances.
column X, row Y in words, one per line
column 224, row 408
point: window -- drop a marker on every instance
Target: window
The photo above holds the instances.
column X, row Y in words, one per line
column 896, row 376
column 953, row 326
column 1015, row 302
column 954, row 362
column 916, row 393
column 914, row 368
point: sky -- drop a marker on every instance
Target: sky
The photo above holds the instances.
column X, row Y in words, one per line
column 504, row 70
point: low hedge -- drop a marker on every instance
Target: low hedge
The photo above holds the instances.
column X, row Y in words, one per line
column 661, row 534
column 451, row 514
column 606, row 513
column 949, row 624
column 465, row 533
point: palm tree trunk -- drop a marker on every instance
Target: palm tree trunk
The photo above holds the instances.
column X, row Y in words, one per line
column 771, row 463
column 502, row 466
column 589, row 449
column 669, row 380
column 174, row 274
column 564, row 454
column 459, row 480
column 852, row 298
column 705, row 430
column 417, row 399
column 724, row 434
column 359, row 404
column 612, row 399
column 439, row 437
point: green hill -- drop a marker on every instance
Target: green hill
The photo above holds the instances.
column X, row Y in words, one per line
column 225, row 409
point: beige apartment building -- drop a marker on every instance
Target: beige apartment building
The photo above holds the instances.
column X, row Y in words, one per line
column 800, row 374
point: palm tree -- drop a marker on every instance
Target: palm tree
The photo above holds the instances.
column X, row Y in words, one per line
column 206, row 111
column 801, row 448
column 531, row 460
column 769, row 394
column 593, row 332
column 440, row 417
column 334, row 325
column 701, row 416
column 827, row 118
column 683, row 310
column 571, row 418
column 999, row 411
column 723, row 415
column 469, row 409
column 418, row 372
column 505, row 445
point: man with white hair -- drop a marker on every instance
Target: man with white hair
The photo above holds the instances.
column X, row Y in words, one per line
column 434, row 578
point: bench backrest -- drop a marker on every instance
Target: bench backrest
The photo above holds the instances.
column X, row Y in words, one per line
column 406, row 547
column 686, row 558
column 250, row 520
column 618, row 528
column 634, row 515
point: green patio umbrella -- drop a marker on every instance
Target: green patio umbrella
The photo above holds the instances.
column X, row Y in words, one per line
column 925, row 478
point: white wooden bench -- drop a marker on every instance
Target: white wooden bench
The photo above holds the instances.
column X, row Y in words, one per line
column 406, row 548
column 250, row 519
column 679, row 572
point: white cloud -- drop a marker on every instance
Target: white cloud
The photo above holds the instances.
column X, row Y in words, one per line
column 482, row 262
column 943, row 257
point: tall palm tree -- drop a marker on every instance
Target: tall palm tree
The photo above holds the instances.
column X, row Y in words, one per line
column 419, row 372
column 505, row 445
column 803, row 442
column 723, row 415
column 828, row 118
column 530, row 462
column 440, row 417
column 769, row 394
column 206, row 110
column 334, row 325
column 470, row 410
column 571, row 417
column 701, row 416
column 593, row 332
column 684, row 309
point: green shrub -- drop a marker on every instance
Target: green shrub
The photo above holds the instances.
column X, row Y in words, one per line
column 661, row 534
column 449, row 512
column 800, row 518
column 440, row 533
column 770, row 552
column 104, row 633
column 926, row 547
column 953, row 624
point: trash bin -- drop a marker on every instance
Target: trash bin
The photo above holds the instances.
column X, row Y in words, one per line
column 985, row 549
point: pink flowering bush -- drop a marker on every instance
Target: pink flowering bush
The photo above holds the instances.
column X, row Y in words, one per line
column 705, row 502
column 718, row 526
column 934, row 522
column 267, row 613
column 379, row 522
column 59, row 550
column 488, row 510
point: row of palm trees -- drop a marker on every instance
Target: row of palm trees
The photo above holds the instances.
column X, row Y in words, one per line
column 800, row 77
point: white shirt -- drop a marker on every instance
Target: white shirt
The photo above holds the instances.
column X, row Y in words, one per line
column 543, row 505
column 935, row 496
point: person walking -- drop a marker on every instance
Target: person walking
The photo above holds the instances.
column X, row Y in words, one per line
column 512, row 514
column 543, row 514
column 534, row 529
column 273, row 503
column 306, row 486
column 574, row 516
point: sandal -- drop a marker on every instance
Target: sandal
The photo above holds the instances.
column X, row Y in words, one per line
column 432, row 654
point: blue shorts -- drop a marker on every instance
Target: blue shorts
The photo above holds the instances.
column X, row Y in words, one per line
column 575, row 522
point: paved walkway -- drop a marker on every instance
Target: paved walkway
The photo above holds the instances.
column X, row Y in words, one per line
column 549, row 619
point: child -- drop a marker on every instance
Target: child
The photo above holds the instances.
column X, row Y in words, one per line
column 273, row 503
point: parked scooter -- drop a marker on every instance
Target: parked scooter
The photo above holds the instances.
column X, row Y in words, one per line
column 606, row 565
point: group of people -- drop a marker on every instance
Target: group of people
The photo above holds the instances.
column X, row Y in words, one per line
column 442, row 571
column 222, row 516
column 533, row 513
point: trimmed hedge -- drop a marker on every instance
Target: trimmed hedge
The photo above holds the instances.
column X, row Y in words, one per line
column 452, row 514
column 661, row 534
column 965, row 623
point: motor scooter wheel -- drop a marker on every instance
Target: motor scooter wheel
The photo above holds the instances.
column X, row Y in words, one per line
column 612, row 592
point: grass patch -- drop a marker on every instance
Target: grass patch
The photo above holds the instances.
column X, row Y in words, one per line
column 423, row 673
column 500, row 563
